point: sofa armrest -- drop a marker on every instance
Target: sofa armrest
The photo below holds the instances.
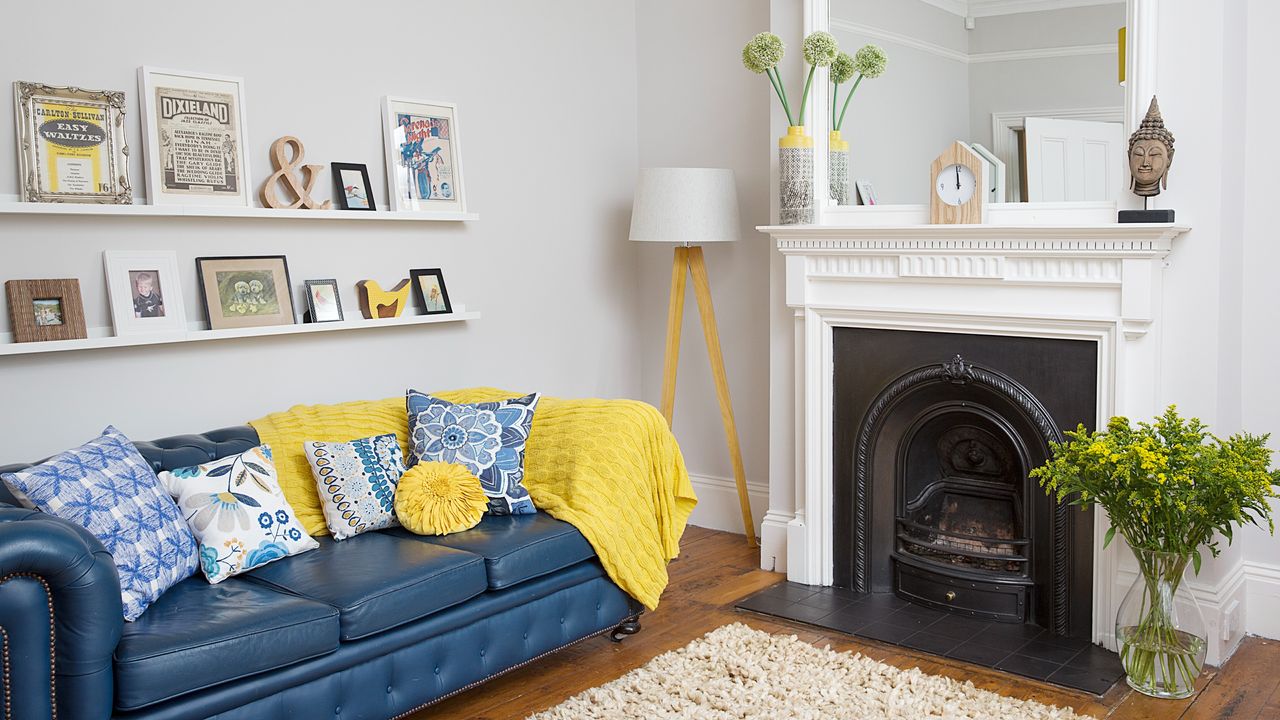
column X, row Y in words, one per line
column 60, row 618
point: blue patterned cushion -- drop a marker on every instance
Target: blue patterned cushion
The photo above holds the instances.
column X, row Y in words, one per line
column 488, row 438
column 107, row 487
column 237, row 513
column 357, row 482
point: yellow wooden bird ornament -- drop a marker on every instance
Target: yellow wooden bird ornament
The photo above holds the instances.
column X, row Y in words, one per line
column 378, row 303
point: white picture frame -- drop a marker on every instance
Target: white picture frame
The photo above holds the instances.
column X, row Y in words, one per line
column 866, row 193
column 432, row 179
column 145, row 292
column 173, row 165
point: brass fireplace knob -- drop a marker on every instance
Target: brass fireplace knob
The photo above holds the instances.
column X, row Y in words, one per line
column 951, row 595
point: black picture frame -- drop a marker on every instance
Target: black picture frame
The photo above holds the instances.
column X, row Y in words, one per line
column 312, row 316
column 420, row 297
column 339, row 185
column 262, row 263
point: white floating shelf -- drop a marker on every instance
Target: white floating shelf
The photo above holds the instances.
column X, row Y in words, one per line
column 228, row 211
column 111, row 341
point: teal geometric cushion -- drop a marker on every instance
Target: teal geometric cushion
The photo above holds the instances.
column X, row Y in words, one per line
column 357, row 483
column 488, row 438
column 106, row 487
column 237, row 512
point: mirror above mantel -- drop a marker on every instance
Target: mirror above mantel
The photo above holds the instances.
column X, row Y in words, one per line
column 1045, row 90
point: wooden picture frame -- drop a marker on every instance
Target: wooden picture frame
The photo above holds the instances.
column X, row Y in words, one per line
column 41, row 310
column 424, row 282
column 245, row 291
column 347, row 195
column 424, row 155
column 71, row 144
column 199, row 105
column 145, row 292
column 323, row 305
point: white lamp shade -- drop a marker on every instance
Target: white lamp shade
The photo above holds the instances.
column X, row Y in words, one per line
column 690, row 206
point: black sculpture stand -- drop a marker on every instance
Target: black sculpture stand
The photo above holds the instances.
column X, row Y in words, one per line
column 1146, row 216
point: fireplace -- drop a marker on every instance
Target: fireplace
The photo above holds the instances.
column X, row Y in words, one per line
column 935, row 437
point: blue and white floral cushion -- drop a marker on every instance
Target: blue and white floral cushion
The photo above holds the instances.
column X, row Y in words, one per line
column 237, row 513
column 488, row 438
column 357, row 482
column 106, row 487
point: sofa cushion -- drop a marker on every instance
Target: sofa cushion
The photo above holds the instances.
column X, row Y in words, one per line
column 516, row 548
column 198, row 635
column 377, row 581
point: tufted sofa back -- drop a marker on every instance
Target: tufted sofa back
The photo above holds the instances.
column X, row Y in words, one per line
column 177, row 451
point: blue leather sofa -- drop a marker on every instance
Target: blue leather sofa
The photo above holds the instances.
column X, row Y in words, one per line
column 374, row 627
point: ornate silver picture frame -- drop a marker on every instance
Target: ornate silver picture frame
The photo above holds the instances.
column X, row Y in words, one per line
column 71, row 145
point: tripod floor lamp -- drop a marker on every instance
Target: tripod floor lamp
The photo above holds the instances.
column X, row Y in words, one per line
column 689, row 207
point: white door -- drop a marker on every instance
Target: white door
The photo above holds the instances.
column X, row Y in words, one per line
column 1070, row 160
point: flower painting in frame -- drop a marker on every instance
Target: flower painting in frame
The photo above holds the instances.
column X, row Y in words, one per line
column 249, row 291
column 424, row 157
column 323, row 301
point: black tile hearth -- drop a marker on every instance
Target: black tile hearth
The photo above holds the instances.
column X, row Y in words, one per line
column 1025, row 650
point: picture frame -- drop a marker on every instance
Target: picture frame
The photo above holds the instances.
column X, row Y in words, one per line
column 424, row 155
column 866, row 193
column 352, row 188
column 429, row 291
column 245, row 291
column 324, row 302
column 71, row 144
column 145, row 292
column 188, row 118
column 41, row 310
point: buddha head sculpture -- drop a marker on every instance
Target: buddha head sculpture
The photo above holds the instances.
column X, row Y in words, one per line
column 1150, row 154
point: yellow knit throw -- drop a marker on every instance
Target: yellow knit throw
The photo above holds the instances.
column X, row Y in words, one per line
column 610, row 468
column 436, row 498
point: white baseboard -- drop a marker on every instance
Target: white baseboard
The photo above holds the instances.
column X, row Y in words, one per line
column 718, row 507
column 1262, row 599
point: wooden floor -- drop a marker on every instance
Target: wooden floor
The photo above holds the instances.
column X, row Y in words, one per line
column 716, row 569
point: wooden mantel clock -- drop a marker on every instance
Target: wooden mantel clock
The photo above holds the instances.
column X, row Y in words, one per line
column 958, row 178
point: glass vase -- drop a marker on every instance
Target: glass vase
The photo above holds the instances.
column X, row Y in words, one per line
column 838, row 168
column 1160, row 629
column 795, row 177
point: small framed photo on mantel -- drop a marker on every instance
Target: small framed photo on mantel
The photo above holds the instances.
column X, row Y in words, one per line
column 429, row 291
column 354, row 191
column 71, row 144
column 144, row 291
column 193, row 135
column 424, row 155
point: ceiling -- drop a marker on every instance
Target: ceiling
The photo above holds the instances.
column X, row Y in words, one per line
column 988, row 8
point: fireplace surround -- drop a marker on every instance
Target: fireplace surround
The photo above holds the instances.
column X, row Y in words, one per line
column 1096, row 285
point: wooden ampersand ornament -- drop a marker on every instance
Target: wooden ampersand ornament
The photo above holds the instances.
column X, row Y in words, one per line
column 285, row 168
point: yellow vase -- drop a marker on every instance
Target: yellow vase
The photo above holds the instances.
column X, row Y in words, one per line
column 838, row 169
column 795, row 176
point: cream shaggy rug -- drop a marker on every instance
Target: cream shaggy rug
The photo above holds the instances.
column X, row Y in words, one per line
column 737, row 672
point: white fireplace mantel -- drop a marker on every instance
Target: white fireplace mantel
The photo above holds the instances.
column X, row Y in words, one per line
column 1098, row 283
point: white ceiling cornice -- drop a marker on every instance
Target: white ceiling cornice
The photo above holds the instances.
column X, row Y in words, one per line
column 966, row 58
column 988, row 8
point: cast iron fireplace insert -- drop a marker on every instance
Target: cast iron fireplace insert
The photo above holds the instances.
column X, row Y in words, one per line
column 936, row 434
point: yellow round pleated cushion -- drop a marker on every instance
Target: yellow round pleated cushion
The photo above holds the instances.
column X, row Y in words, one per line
column 435, row 498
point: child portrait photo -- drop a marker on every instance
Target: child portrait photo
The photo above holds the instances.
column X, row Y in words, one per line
column 148, row 300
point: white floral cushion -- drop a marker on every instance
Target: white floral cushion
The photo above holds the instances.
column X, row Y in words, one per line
column 357, row 482
column 237, row 513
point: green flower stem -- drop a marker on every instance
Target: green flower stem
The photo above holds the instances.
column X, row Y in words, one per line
column 804, row 98
column 781, row 91
column 840, row 123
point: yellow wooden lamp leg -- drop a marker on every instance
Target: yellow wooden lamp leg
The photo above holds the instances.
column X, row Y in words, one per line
column 675, row 316
column 702, row 290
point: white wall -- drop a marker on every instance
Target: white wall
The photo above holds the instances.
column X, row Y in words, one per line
column 699, row 107
column 547, row 96
column 894, row 128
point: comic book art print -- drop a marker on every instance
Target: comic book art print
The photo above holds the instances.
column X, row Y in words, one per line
column 193, row 133
column 424, row 170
